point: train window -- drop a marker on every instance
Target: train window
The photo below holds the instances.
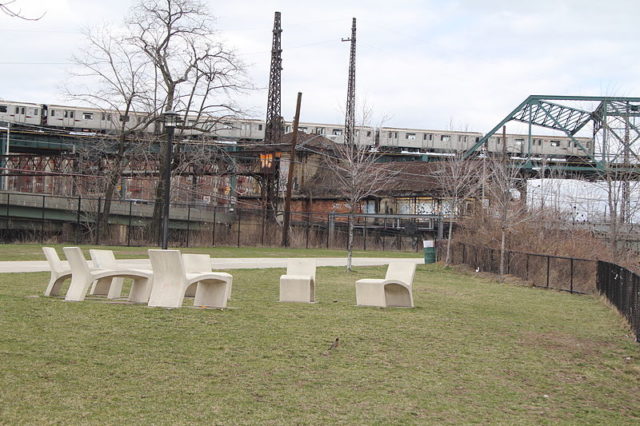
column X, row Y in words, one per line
column 411, row 136
column 445, row 138
column 52, row 113
column 555, row 143
column 87, row 116
column 368, row 133
column 124, row 118
column 17, row 110
column 337, row 132
column 68, row 114
column 259, row 126
column 3, row 108
column 106, row 116
column 303, row 129
column 36, row 111
column 424, row 137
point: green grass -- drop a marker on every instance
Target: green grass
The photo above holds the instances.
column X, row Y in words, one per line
column 472, row 350
column 34, row 252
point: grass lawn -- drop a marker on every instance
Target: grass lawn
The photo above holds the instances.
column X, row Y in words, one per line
column 473, row 350
column 34, row 251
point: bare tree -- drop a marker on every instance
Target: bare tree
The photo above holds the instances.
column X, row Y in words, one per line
column 507, row 206
column 194, row 74
column 117, row 82
column 357, row 175
column 458, row 179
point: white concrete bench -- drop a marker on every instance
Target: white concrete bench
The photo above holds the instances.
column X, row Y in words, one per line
column 298, row 284
column 395, row 290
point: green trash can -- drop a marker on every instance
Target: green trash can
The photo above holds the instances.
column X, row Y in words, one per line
column 429, row 251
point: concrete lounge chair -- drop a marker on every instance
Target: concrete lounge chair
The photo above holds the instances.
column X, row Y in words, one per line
column 171, row 281
column 394, row 290
column 110, row 287
column 59, row 271
column 299, row 283
column 82, row 276
column 194, row 263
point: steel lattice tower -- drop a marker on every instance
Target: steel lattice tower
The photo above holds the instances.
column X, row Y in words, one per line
column 349, row 120
column 273, row 125
column 274, row 130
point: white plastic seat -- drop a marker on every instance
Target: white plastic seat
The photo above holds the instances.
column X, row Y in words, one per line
column 395, row 290
column 171, row 281
column 110, row 287
column 298, row 284
column 59, row 271
column 82, row 276
column 194, row 263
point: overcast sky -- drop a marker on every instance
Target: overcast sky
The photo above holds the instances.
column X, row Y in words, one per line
column 436, row 64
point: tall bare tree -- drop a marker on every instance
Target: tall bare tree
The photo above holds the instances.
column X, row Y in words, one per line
column 115, row 76
column 458, row 179
column 507, row 206
column 357, row 176
column 194, row 74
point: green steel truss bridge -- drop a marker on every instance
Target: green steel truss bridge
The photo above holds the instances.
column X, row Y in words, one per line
column 612, row 122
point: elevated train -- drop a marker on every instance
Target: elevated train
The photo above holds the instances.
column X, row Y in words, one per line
column 386, row 139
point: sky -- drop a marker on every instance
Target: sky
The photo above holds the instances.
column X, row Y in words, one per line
column 439, row 64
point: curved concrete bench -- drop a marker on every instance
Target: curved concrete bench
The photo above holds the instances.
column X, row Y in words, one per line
column 82, row 277
column 299, row 283
column 395, row 290
column 112, row 288
column 195, row 263
column 171, row 281
column 59, row 271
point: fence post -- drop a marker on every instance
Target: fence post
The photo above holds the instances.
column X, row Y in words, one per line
column 264, row 216
column 213, row 231
column 129, row 226
column 42, row 219
column 548, row 264
column 78, row 220
column 239, row 222
column 508, row 256
column 98, row 221
column 364, row 235
column 526, row 269
column 571, row 274
column 307, row 224
column 328, row 232
column 188, row 222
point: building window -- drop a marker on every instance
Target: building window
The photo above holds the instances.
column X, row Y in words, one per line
column 87, row 116
column 411, row 136
column 445, row 138
column 555, row 143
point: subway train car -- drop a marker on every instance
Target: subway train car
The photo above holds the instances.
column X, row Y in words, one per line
column 385, row 139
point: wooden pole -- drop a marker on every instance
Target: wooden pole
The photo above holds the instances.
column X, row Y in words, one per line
column 287, row 200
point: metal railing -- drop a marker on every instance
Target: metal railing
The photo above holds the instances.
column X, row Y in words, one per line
column 541, row 270
column 622, row 288
column 40, row 218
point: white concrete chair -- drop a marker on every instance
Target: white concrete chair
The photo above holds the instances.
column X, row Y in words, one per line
column 299, row 283
column 110, row 287
column 171, row 281
column 194, row 263
column 59, row 271
column 395, row 290
column 82, row 276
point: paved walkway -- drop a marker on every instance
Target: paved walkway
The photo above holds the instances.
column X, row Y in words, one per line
column 220, row 263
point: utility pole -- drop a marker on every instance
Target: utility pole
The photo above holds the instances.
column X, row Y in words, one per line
column 274, row 124
column 349, row 120
column 292, row 162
